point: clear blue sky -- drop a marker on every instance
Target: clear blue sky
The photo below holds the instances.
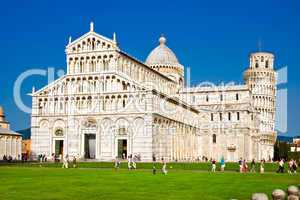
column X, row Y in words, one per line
column 214, row 38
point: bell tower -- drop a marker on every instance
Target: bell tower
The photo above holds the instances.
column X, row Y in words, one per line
column 261, row 80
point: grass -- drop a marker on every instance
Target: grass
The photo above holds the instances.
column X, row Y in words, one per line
column 203, row 166
column 93, row 183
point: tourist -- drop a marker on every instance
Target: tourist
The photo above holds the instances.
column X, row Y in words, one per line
column 222, row 164
column 53, row 157
column 153, row 158
column 290, row 166
column 295, row 166
column 129, row 162
column 117, row 163
column 245, row 166
column 153, row 169
column 281, row 166
column 241, row 165
column 252, row 166
column 9, row 158
column 74, row 162
column 262, row 166
column 164, row 167
column 65, row 162
column 213, row 165
column 139, row 157
column 133, row 162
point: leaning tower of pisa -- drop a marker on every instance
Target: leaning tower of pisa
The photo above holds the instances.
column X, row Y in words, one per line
column 260, row 78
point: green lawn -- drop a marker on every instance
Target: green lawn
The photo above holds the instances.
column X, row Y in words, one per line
column 203, row 166
column 92, row 183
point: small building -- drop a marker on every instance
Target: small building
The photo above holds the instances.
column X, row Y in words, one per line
column 295, row 146
column 10, row 141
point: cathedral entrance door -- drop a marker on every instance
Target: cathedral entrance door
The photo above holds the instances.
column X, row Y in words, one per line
column 90, row 146
column 122, row 148
column 59, row 147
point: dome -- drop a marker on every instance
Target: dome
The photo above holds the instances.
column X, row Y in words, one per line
column 162, row 55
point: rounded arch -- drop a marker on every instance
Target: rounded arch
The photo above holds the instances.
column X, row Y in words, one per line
column 59, row 123
column 106, row 124
column 44, row 123
column 138, row 126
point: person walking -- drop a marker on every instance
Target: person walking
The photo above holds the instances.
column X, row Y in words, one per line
column 245, row 166
column 262, row 166
column 133, row 163
column 295, row 166
column 154, row 169
column 65, row 162
column 281, row 166
column 253, row 165
column 74, row 162
column 241, row 165
column 117, row 163
column 129, row 162
column 222, row 164
column 290, row 166
column 164, row 167
column 213, row 165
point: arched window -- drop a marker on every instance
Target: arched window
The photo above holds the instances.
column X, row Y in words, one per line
column 229, row 116
column 221, row 97
column 211, row 117
column 267, row 64
column 221, row 117
column 238, row 116
column 256, row 64
column 237, row 96
column 214, row 138
column 207, row 98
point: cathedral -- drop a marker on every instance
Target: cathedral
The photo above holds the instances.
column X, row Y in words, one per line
column 110, row 104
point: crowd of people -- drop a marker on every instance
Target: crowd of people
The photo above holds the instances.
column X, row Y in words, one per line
column 131, row 163
column 133, row 159
column 244, row 168
column 292, row 166
column 7, row 158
